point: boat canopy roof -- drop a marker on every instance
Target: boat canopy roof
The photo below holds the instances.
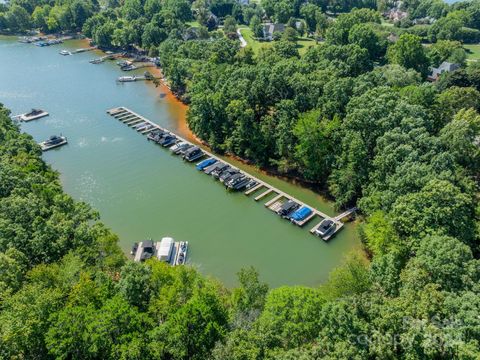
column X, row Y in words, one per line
column 326, row 223
column 288, row 205
column 165, row 247
column 206, row 163
column 301, row 213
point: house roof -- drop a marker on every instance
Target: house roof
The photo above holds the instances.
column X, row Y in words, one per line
column 271, row 28
column 444, row 67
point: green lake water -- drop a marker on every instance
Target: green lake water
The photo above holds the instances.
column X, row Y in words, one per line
column 139, row 188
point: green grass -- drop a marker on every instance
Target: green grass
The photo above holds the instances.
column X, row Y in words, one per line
column 193, row 23
column 386, row 23
column 473, row 52
column 254, row 44
column 302, row 44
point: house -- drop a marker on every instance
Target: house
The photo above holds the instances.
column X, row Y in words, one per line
column 270, row 29
column 396, row 15
column 243, row 2
column 444, row 67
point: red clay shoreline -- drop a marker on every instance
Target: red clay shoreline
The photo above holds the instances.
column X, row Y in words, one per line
column 186, row 132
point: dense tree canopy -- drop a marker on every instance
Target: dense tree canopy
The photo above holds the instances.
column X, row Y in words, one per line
column 353, row 116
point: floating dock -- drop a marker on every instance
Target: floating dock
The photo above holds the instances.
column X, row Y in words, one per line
column 253, row 189
column 81, row 50
column 131, row 118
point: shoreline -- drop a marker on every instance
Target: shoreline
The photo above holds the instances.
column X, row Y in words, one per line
column 189, row 135
column 168, row 112
column 180, row 116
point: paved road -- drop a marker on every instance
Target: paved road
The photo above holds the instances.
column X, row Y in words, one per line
column 243, row 43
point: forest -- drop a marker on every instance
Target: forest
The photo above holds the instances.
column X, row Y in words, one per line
column 354, row 116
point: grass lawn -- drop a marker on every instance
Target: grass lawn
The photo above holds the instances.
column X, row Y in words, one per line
column 473, row 52
column 302, row 44
column 386, row 23
column 193, row 23
column 254, row 44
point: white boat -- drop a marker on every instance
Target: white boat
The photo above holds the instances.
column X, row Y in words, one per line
column 325, row 229
column 33, row 115
column 127, row 78
column 65, row 52
column 96, row 61
column 53, row 142
column 178, row 146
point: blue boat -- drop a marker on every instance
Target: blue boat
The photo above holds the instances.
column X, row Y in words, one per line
column 301, row 214
column 203, row 164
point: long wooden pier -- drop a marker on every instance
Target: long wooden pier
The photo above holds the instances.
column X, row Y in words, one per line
column 131, row 118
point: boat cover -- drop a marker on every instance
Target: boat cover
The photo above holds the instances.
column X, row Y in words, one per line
column 301, row 213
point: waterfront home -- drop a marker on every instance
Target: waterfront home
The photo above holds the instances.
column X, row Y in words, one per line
column 444, row 67
column 270, row 29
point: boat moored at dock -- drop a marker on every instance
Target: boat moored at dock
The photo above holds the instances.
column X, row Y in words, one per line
column 49, row 42
column 251, row 184
column 301, row 214
column 178, row 146
column 288, row 209
column 181, row 253
column 34, row 114
column 193, row 154
column 127, row 79
column 325, row 229
column 155, row 135
column 281, row 203
column 217, row 170
column 167, row 250
column 227, row 174
column 53, row 142
column 183, row 149
column 167, row 140
column 205, row 163
column 96, row 61
column 31, row 39
column 237, row 182
column 145, row 250
column 65, row 52
column 164, row 249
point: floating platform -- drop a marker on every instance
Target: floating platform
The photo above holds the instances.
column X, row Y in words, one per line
column 276, row 198
column 81, row 50
column 252, row 190
column 262, row 195
column 32, row 115
column 276, row 206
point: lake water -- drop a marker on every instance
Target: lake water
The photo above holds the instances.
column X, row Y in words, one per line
column 139, row 188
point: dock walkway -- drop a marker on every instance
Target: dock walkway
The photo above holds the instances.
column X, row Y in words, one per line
column 123, row 113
